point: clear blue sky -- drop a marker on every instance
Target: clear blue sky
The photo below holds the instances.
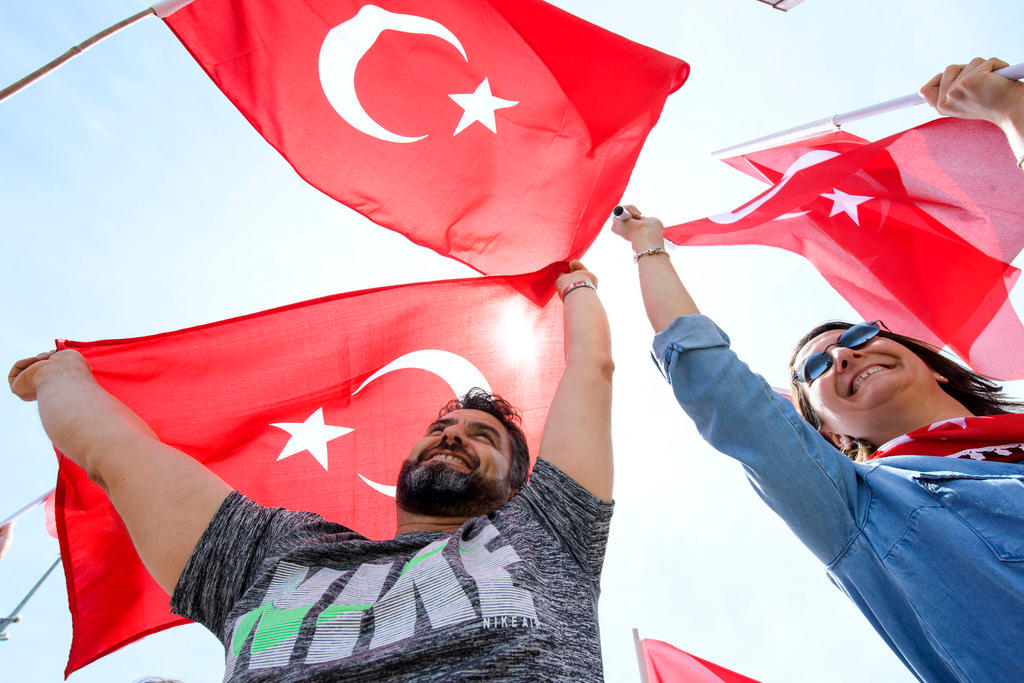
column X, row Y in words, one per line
column 135, row 199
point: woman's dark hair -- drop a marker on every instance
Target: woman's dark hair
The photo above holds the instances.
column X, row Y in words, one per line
column 981, row 395
column 479, row 399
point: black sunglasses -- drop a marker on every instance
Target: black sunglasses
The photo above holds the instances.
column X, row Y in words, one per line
column 817, row 364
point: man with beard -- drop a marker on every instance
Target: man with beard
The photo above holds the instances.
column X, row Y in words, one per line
column 488, row 576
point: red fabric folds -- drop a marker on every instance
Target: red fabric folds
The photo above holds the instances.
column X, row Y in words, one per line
column 668, row 664
column 982, row 437
column 367, row 104
column 918, row 229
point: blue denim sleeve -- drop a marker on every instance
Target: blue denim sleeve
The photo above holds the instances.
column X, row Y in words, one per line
column 815, row 488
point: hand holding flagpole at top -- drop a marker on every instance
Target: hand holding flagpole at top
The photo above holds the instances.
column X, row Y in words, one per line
column 665, row 297
column 976, row 91
column 836, row 121
column 949, row 187
column 643, row 232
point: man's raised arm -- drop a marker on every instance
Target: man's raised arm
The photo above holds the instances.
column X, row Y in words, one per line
column 165, row 498
column 577, row 435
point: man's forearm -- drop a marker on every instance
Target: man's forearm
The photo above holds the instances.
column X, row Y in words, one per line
column 165, row 497
column 588, row 339
column 577, row 436
column 86, row 423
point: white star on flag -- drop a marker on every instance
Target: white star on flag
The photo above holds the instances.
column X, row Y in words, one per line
column 311, row 435
column 845, row 203
column 479, row 105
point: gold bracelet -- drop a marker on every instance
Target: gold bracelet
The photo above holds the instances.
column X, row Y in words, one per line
column 1020, row 164
column 656, row 250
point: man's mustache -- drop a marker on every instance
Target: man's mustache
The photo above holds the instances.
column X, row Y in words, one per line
column 449, row 447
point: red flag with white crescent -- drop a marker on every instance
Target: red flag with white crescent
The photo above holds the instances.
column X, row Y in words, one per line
column 312, row 406
column 491, row 131
column 918, row 229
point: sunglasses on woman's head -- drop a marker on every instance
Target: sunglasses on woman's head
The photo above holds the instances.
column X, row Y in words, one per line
column 817, row 364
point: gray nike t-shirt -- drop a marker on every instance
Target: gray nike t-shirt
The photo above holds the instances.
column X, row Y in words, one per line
column 510, row 595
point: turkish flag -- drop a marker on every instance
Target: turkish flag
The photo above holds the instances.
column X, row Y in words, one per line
column 917, row 229
column 668, row 664
column 451, row 122
column 312, row 406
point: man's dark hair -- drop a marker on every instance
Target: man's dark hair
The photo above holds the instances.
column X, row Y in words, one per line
column 979, row 394
column 492, row 404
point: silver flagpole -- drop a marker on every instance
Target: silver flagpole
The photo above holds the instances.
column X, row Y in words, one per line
column 15, row 616
column 640, row 659
column 72, row 53
column 833, row 123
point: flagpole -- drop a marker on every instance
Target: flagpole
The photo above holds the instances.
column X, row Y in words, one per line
column 15, row 617
column 834, row 122
column 640, row 659
column 72, row 53
column 26, row 508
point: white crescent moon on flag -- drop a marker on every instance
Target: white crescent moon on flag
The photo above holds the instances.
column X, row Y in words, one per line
column 381, row 488
column 806, row 161
column 346, row 44
column 458, row 373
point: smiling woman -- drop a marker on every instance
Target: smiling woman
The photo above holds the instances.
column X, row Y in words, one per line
column 943, row 389
column 924, row 541
column 924, row 537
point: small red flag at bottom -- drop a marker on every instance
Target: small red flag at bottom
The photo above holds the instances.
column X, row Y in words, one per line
column 663, row 663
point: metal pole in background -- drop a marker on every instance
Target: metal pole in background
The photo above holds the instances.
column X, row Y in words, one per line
column 28, row 507
column 641, row 660
column 15, row 617
column 834, row 122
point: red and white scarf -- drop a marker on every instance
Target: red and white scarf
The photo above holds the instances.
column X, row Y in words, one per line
column 990, row 437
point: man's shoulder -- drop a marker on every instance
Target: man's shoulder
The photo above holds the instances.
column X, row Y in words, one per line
column 544, row 477
column 548, row 477
column 550, row 492
column 241, row 514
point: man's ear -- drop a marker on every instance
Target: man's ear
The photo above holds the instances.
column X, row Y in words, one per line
column 840, row 441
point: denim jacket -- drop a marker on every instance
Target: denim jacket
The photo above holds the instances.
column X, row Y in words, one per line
column 930, row 549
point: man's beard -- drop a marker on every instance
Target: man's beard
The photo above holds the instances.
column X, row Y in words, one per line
column 437, row 490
